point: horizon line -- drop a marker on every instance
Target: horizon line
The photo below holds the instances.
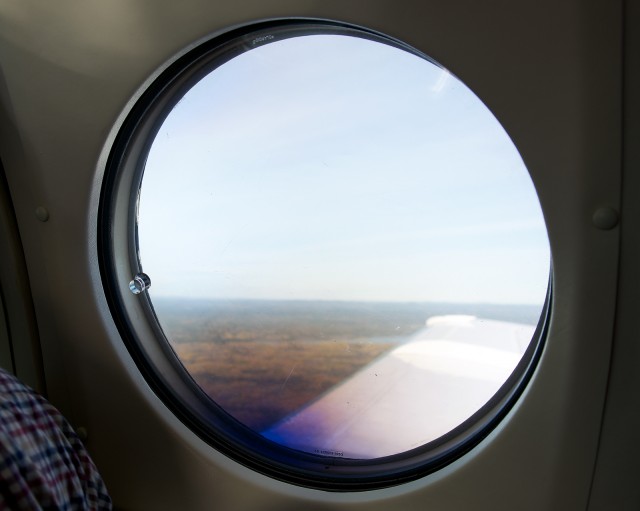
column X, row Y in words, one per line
column 364, row 301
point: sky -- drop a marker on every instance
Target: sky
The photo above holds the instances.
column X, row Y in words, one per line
column 330, row 167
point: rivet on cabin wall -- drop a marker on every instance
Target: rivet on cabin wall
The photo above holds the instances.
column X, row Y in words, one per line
column 605, row 218
column 42, row 214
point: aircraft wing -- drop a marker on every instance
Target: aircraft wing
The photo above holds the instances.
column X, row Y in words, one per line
column 412, row 395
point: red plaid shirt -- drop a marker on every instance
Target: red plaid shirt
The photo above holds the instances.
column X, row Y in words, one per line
column 43, row 464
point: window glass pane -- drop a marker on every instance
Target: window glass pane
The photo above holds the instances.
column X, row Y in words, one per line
column 346, row 249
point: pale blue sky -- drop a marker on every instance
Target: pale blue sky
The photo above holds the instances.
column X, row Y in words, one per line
column 333, row 167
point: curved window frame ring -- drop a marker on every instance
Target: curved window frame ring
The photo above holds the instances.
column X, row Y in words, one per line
column 141, row 332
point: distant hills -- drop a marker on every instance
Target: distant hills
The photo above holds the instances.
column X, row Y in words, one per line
column 209, row 320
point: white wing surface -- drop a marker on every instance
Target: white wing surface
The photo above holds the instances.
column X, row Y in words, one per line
column 412, row 395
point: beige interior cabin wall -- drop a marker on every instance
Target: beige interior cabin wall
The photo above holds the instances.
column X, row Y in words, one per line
column 19, row 343
column 551, row 73
column 615, row 484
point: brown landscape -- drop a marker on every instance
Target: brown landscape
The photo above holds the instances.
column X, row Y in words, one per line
column 263, row 360
column 260, row 383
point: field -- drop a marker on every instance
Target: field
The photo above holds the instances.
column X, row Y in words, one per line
column 262, row 360
column 262, row 382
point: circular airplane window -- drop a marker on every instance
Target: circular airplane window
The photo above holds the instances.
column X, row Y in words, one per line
column 325, row 254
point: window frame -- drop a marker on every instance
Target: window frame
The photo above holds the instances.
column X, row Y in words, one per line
column 146, row 343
